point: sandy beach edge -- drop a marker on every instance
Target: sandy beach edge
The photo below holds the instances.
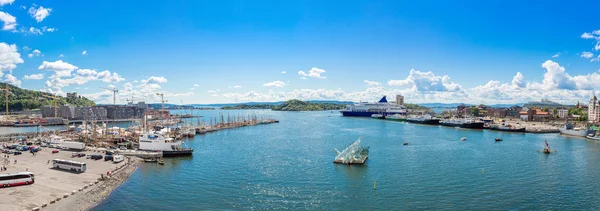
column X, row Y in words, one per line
column 93, row 195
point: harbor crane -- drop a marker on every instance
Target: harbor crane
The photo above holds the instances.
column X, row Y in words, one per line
column 162, row 99
column 6, row 93
column 115, row 91
column 53, row 97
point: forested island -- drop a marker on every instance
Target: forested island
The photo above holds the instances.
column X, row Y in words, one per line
column 21, row 99
column 290, row 105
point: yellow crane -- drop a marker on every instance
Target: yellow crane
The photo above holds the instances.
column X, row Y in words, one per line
column 115, row 91
column 53, row 101
column 6, row 93
column 162, row 99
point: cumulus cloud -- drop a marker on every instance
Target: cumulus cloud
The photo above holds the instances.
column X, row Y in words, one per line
column 283, row 72
column 587, row 55
column 107, row 77
column 213, row 91
column 34, row 77
column 10, row 22
column 61, row 56
column 10, row 79
column 236, row 87
column 35, row 31
column 314, row 73
column 40, row 13
column 425, row 81
column 9, row 56
column 372, row 83
column 519, row 80
column 4, row 2
column 84, row 53
column 155, row 80
column 275, row 84
column 196, row 85
column 35, row 52
column 556, row 77
column 60, row 68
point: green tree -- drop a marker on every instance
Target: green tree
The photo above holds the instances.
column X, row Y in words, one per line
column 474, row 111
column 545, row 109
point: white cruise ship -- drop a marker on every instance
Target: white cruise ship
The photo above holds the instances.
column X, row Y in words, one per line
column 382, row 107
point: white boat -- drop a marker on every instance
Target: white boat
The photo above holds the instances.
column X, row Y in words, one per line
column 365, row 109
column 463, row 138
column 568, row 129
column 157, row 142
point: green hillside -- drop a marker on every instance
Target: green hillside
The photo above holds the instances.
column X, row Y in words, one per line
column 297, row 105
column 21, row 99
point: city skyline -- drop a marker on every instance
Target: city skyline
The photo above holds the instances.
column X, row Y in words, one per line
column 233, row 51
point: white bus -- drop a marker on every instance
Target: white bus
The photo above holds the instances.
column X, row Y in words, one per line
column 21, row 178
column 69, row 165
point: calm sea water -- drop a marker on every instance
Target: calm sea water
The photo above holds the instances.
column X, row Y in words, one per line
column 288, row 166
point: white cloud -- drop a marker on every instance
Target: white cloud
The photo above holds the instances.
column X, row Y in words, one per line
column 587, row 35
column 34, row 77
column 9, row 56
column 25, row 48
column 196, row 85
column 10, row 22
column 213, row 91
column 49, row 29
column 35, row 31
column 60, row 68
column 237, row 87
column 587, row 55
column 192, row 89
column 4, row 2
column 275, row 84
column 556, row 55
column 519, row 80
column 155, row 80
column 135, row 81
column 214, row 95
column 35, row 52
column 283, row 72
column 556, row 77
column 314, row 72
column 107, row 77
column 61, row 56
column 303, row 78
column 425, row 81
column 84, row 53
column 10, row 79
column 40, row 13
column 372, row 83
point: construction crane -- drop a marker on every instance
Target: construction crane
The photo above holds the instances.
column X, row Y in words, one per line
column 53, row 101
column 162, row 99
column 115, row 91
column 6, row 93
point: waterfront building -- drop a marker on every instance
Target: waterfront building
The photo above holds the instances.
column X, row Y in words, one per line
column 47, row 111
column 513, row 111
column 523, row 115
column 563, row 113
column 399, row 99
column 593, row 110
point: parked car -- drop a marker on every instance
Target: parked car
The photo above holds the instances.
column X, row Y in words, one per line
column 109, row 152
column 43, row 145
column 96, row 157
column 81, row 154
column 108, row 158
column 55, row 151
column 17, row 153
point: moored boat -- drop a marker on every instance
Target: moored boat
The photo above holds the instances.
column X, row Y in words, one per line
column 463, row 123
column 168, row 146
column 364, row 109
column 424, row 119
column 377, row 116
column 569, row 129
column 397, row 117
column 507, row 128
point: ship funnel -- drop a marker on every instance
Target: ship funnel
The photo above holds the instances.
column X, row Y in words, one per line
column 383, row 100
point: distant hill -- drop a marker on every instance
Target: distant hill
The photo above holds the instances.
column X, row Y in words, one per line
column 298, row 105
column 21, row 99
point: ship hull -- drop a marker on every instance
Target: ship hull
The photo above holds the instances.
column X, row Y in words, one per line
column 396, row 119
column 425, row 122
column 183, row 152
column 365, row 114
column 580, row 133
column 475, row 125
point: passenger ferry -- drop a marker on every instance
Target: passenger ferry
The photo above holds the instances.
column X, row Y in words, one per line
column 382, row 107
column 16, row 179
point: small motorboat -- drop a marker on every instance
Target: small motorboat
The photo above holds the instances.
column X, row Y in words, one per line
column 463, row 138
column 161, row 162
column 405, row 143
column 498, row 139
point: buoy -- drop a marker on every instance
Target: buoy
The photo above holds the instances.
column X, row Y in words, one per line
column 374, row 184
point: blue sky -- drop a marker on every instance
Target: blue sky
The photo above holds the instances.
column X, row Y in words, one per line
column 236, row 51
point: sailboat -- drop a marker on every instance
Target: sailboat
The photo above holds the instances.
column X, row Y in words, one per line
column 547, row 148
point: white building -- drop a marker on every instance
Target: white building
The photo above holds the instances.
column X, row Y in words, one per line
column 563, row 113
column 594, row 110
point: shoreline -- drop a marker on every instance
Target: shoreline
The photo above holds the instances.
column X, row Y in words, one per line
column 98, row 192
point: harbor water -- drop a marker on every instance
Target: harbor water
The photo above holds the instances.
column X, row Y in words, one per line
column 289, row 165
